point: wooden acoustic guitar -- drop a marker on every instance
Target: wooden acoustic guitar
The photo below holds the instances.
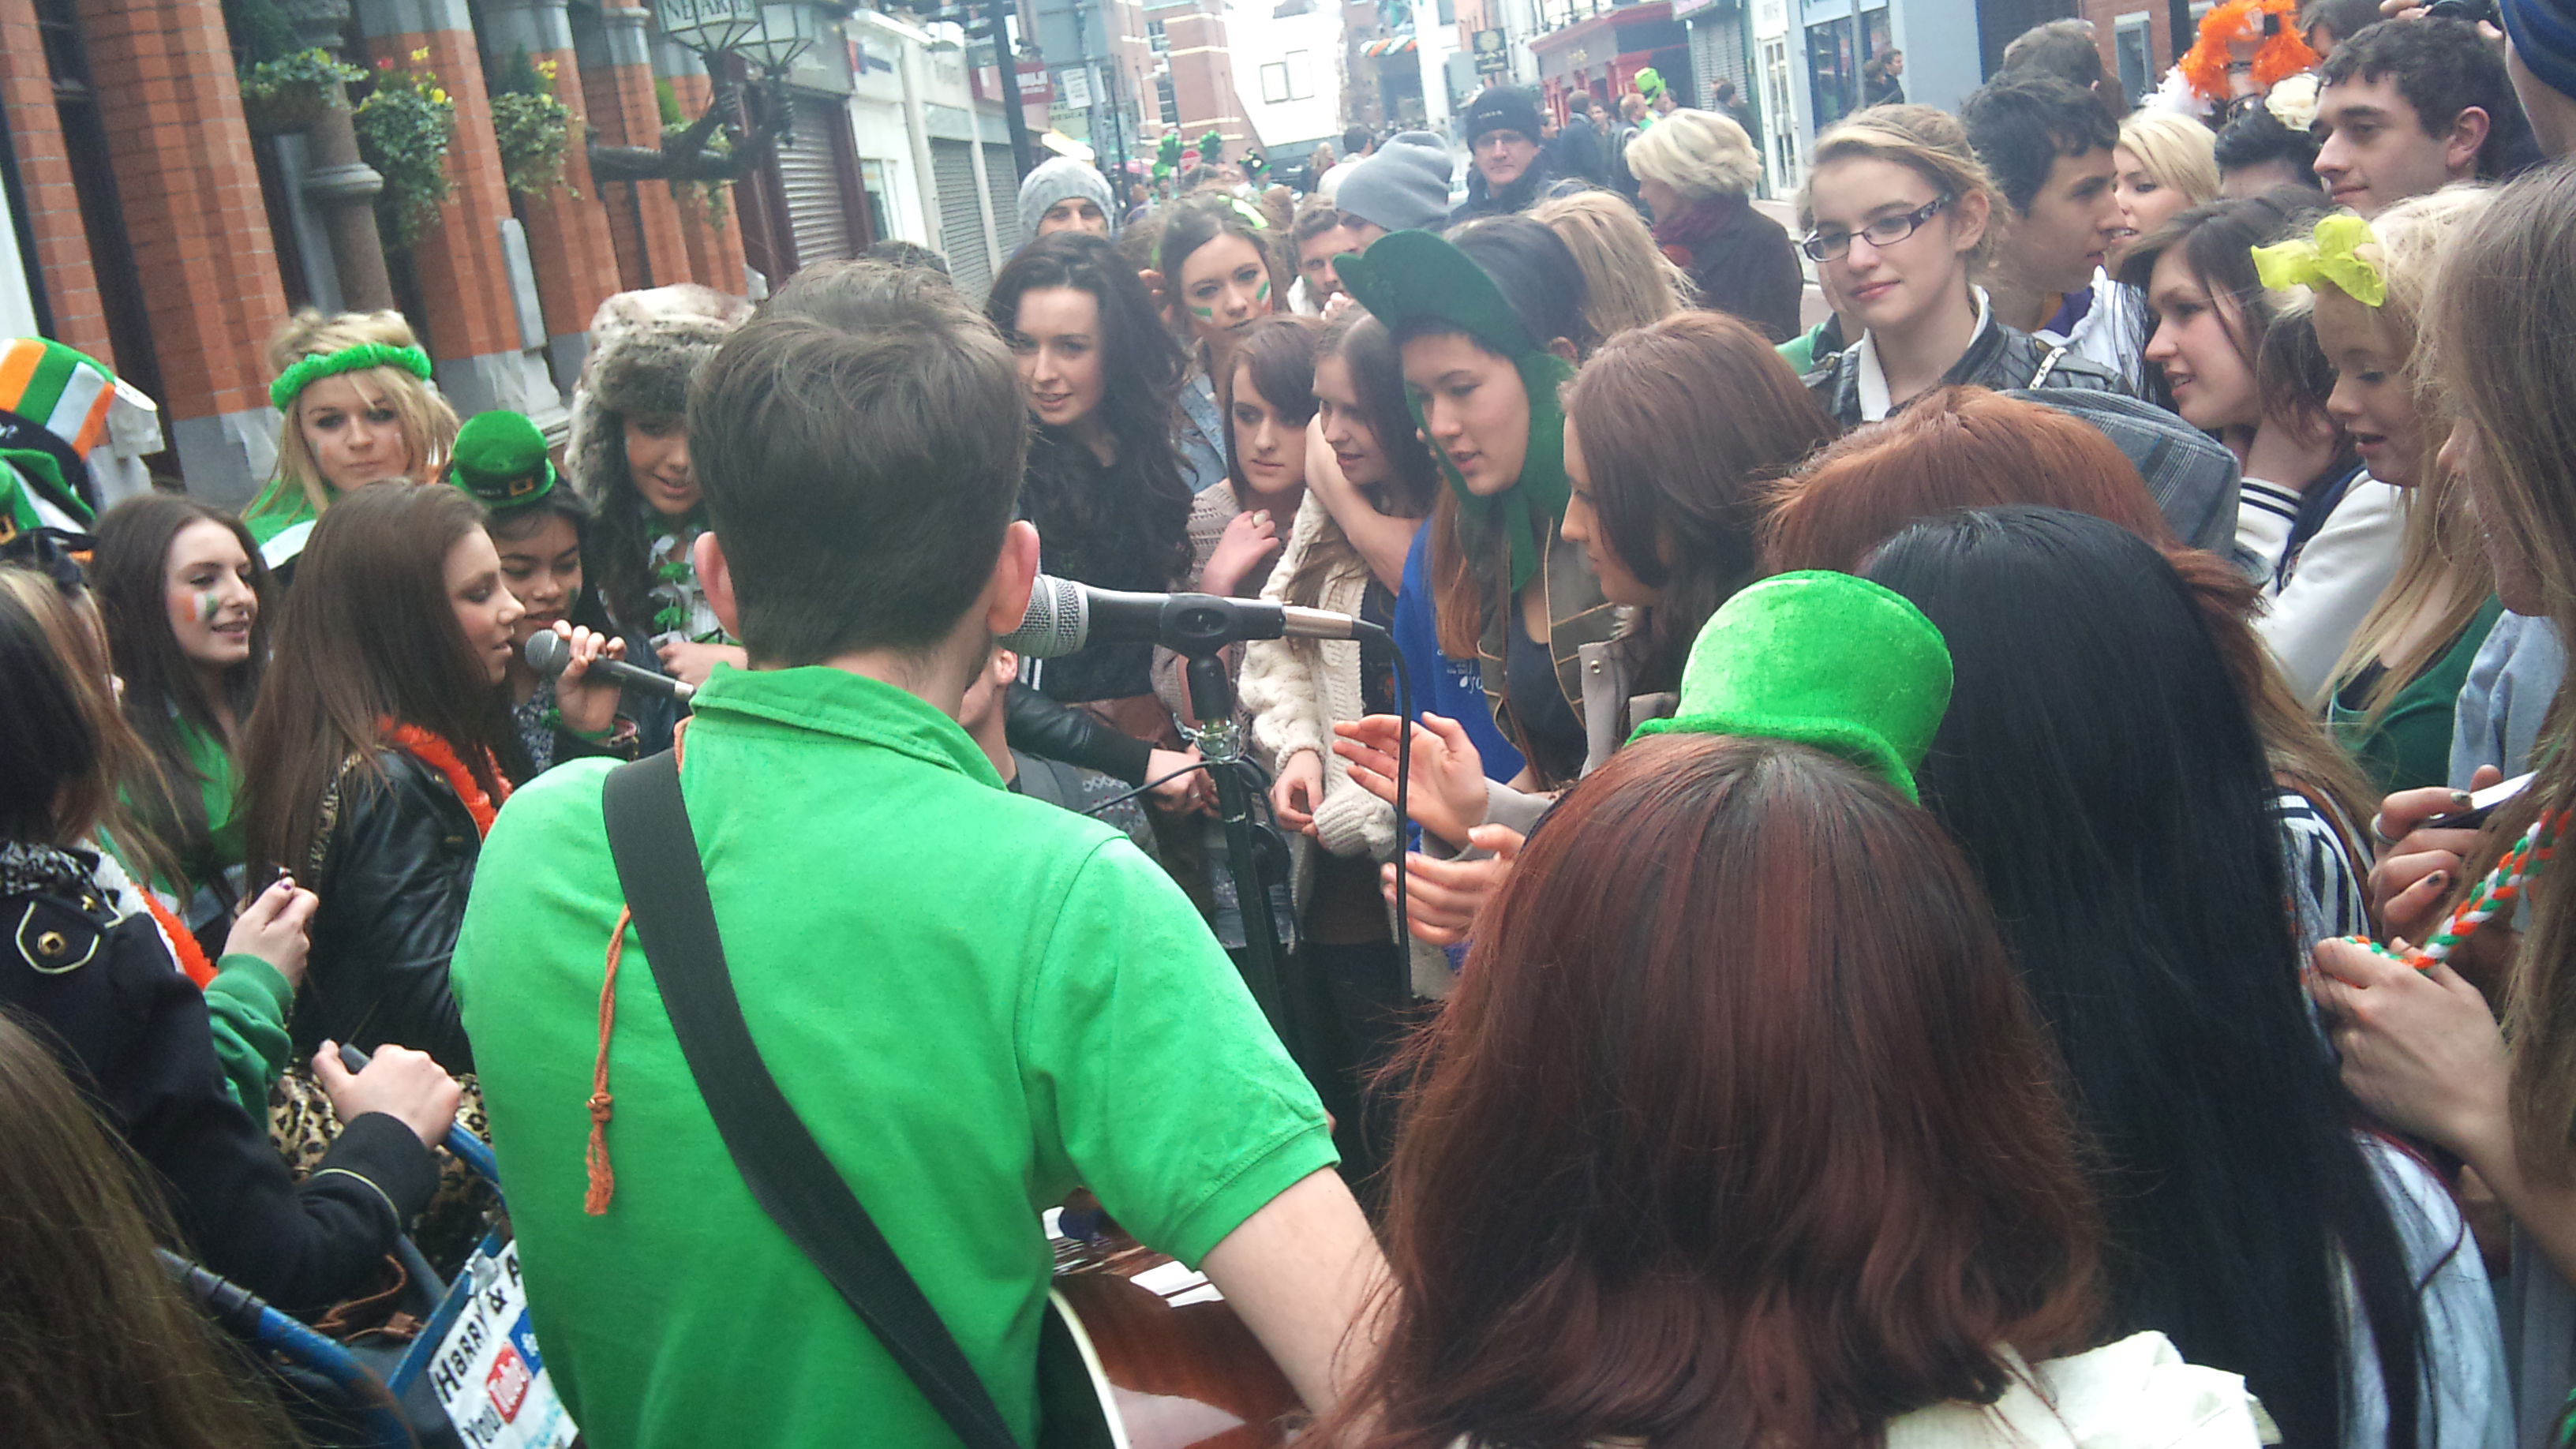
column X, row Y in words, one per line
column 1139, row 1352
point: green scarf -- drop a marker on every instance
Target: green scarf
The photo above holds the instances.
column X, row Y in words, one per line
column 1412, row 274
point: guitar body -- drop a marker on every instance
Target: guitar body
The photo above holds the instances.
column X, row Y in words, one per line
column 1140, row 1353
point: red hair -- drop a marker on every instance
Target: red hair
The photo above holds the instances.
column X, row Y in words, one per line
column 1957, row 447
column 1740, row 1129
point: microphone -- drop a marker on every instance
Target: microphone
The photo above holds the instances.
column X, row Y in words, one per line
column 1064, row 616
column 548, row 652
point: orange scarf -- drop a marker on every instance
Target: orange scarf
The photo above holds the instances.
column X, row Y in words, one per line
column 441, row 756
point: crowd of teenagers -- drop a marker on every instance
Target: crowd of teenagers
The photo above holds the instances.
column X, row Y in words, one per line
column 1944, row 902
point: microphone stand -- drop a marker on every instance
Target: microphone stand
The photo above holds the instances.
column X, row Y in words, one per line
column 1220, row 742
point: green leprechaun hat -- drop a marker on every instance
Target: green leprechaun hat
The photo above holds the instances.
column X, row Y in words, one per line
column 500, row 458
column 1823, row 659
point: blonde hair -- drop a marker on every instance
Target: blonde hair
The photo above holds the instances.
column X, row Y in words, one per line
column 2176, row 150
column 428, row 423
column 1697, row 153
column 1627, row 281
column 2442, row 569
column 1926, row 141
column 2502, row 327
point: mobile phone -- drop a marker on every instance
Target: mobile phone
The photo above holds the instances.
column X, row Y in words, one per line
column 2482, row 804
column 2476, row 12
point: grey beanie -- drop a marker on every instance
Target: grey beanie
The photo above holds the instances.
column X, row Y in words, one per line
column 1404, row 187
column 1053, row 181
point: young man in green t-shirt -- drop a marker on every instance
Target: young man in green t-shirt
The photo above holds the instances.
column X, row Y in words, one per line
column 975, row 1000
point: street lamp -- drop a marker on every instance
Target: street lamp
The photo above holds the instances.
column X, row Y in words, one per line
column 768, row 38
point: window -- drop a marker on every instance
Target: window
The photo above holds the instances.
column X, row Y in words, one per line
column 1156, row 38
column 1289, row 78
column 1167, row 99
column 2129, row 40
column 1448, row 12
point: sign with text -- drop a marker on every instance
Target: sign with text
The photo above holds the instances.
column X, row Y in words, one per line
column 1493, row 53
column 487, row 1374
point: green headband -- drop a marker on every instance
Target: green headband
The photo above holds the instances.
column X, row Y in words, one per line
column 1417, row 274
column 2333, row 254
column 282, row 393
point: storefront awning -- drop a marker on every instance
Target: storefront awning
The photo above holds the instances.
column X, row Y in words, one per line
column 1392, row 45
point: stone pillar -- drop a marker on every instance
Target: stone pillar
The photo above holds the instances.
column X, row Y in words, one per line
column 189, row 190
column 466, row 299
column 62, row 257
column 644, row 222
column 568, row 233
column 342, row 187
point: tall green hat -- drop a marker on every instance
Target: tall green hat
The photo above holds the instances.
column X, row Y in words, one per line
column 1824, row 659
column 1416, row 274
column 500, row 458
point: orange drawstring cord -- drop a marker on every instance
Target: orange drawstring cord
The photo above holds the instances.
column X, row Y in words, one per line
column 602, row 1179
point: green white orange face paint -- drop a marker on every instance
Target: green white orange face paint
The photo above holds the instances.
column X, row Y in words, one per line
column 208, row 605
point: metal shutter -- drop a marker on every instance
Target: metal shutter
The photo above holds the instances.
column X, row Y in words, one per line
column 1717, row 51
column 961, row 221
column 809, row 172
column 1002, row 175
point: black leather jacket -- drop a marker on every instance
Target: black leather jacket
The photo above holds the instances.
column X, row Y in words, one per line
column 397, row 862
column 104, row 995
column 1048, row 728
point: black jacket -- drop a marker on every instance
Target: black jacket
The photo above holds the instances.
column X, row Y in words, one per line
column 1582, row 152
column 103, row 993
column 1048, row 728
column 396, row 864
column 2001, row 358
column 1749, row 268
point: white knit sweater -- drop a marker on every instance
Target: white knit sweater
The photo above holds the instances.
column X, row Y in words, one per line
column 1297, row 689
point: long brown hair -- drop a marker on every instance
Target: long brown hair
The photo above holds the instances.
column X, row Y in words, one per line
column 1752, row 1120
column 1413, row 479
column 2502, row 326
column 98, row 1348
column 1965, row 447
column 1675, row 481
column 368, row 636
column 163, row 689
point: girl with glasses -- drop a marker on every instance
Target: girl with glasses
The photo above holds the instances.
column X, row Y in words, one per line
column 1900, row 221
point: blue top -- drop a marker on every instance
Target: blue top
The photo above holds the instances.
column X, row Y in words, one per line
column 1446, row 686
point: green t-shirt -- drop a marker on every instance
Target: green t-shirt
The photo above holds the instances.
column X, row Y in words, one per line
column 2410, row 745
column 975, row 1000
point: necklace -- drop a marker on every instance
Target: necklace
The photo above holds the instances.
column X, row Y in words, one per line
column 439, row 755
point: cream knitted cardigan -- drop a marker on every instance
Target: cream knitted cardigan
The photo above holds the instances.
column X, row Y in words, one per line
column 1296, row 689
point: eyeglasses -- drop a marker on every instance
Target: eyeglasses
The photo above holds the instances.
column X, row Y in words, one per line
column 1885, row 232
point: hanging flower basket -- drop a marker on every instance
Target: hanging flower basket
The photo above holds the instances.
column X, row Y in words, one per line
column 404, row 129
column 291, row 95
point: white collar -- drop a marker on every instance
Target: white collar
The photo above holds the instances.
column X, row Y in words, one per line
column 1875, row 404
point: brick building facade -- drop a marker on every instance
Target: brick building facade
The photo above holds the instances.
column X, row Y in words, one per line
column 171, row 242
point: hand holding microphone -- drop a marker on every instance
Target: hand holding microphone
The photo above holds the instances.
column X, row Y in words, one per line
column 588, row 669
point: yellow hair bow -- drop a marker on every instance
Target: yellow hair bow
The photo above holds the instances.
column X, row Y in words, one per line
column 2333, row 254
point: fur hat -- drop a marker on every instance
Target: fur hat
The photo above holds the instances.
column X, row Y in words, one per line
column 640, row 370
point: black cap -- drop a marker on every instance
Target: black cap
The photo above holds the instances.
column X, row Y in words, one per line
column 1501, row 108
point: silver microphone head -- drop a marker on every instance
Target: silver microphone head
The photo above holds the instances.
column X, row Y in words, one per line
column 546, row 652
column 1057, row 621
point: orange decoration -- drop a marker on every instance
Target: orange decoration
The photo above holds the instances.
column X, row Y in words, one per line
column 2284, row 53
column 441, row 756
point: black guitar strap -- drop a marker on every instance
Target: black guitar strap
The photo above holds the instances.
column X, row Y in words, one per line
column 666, row 888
